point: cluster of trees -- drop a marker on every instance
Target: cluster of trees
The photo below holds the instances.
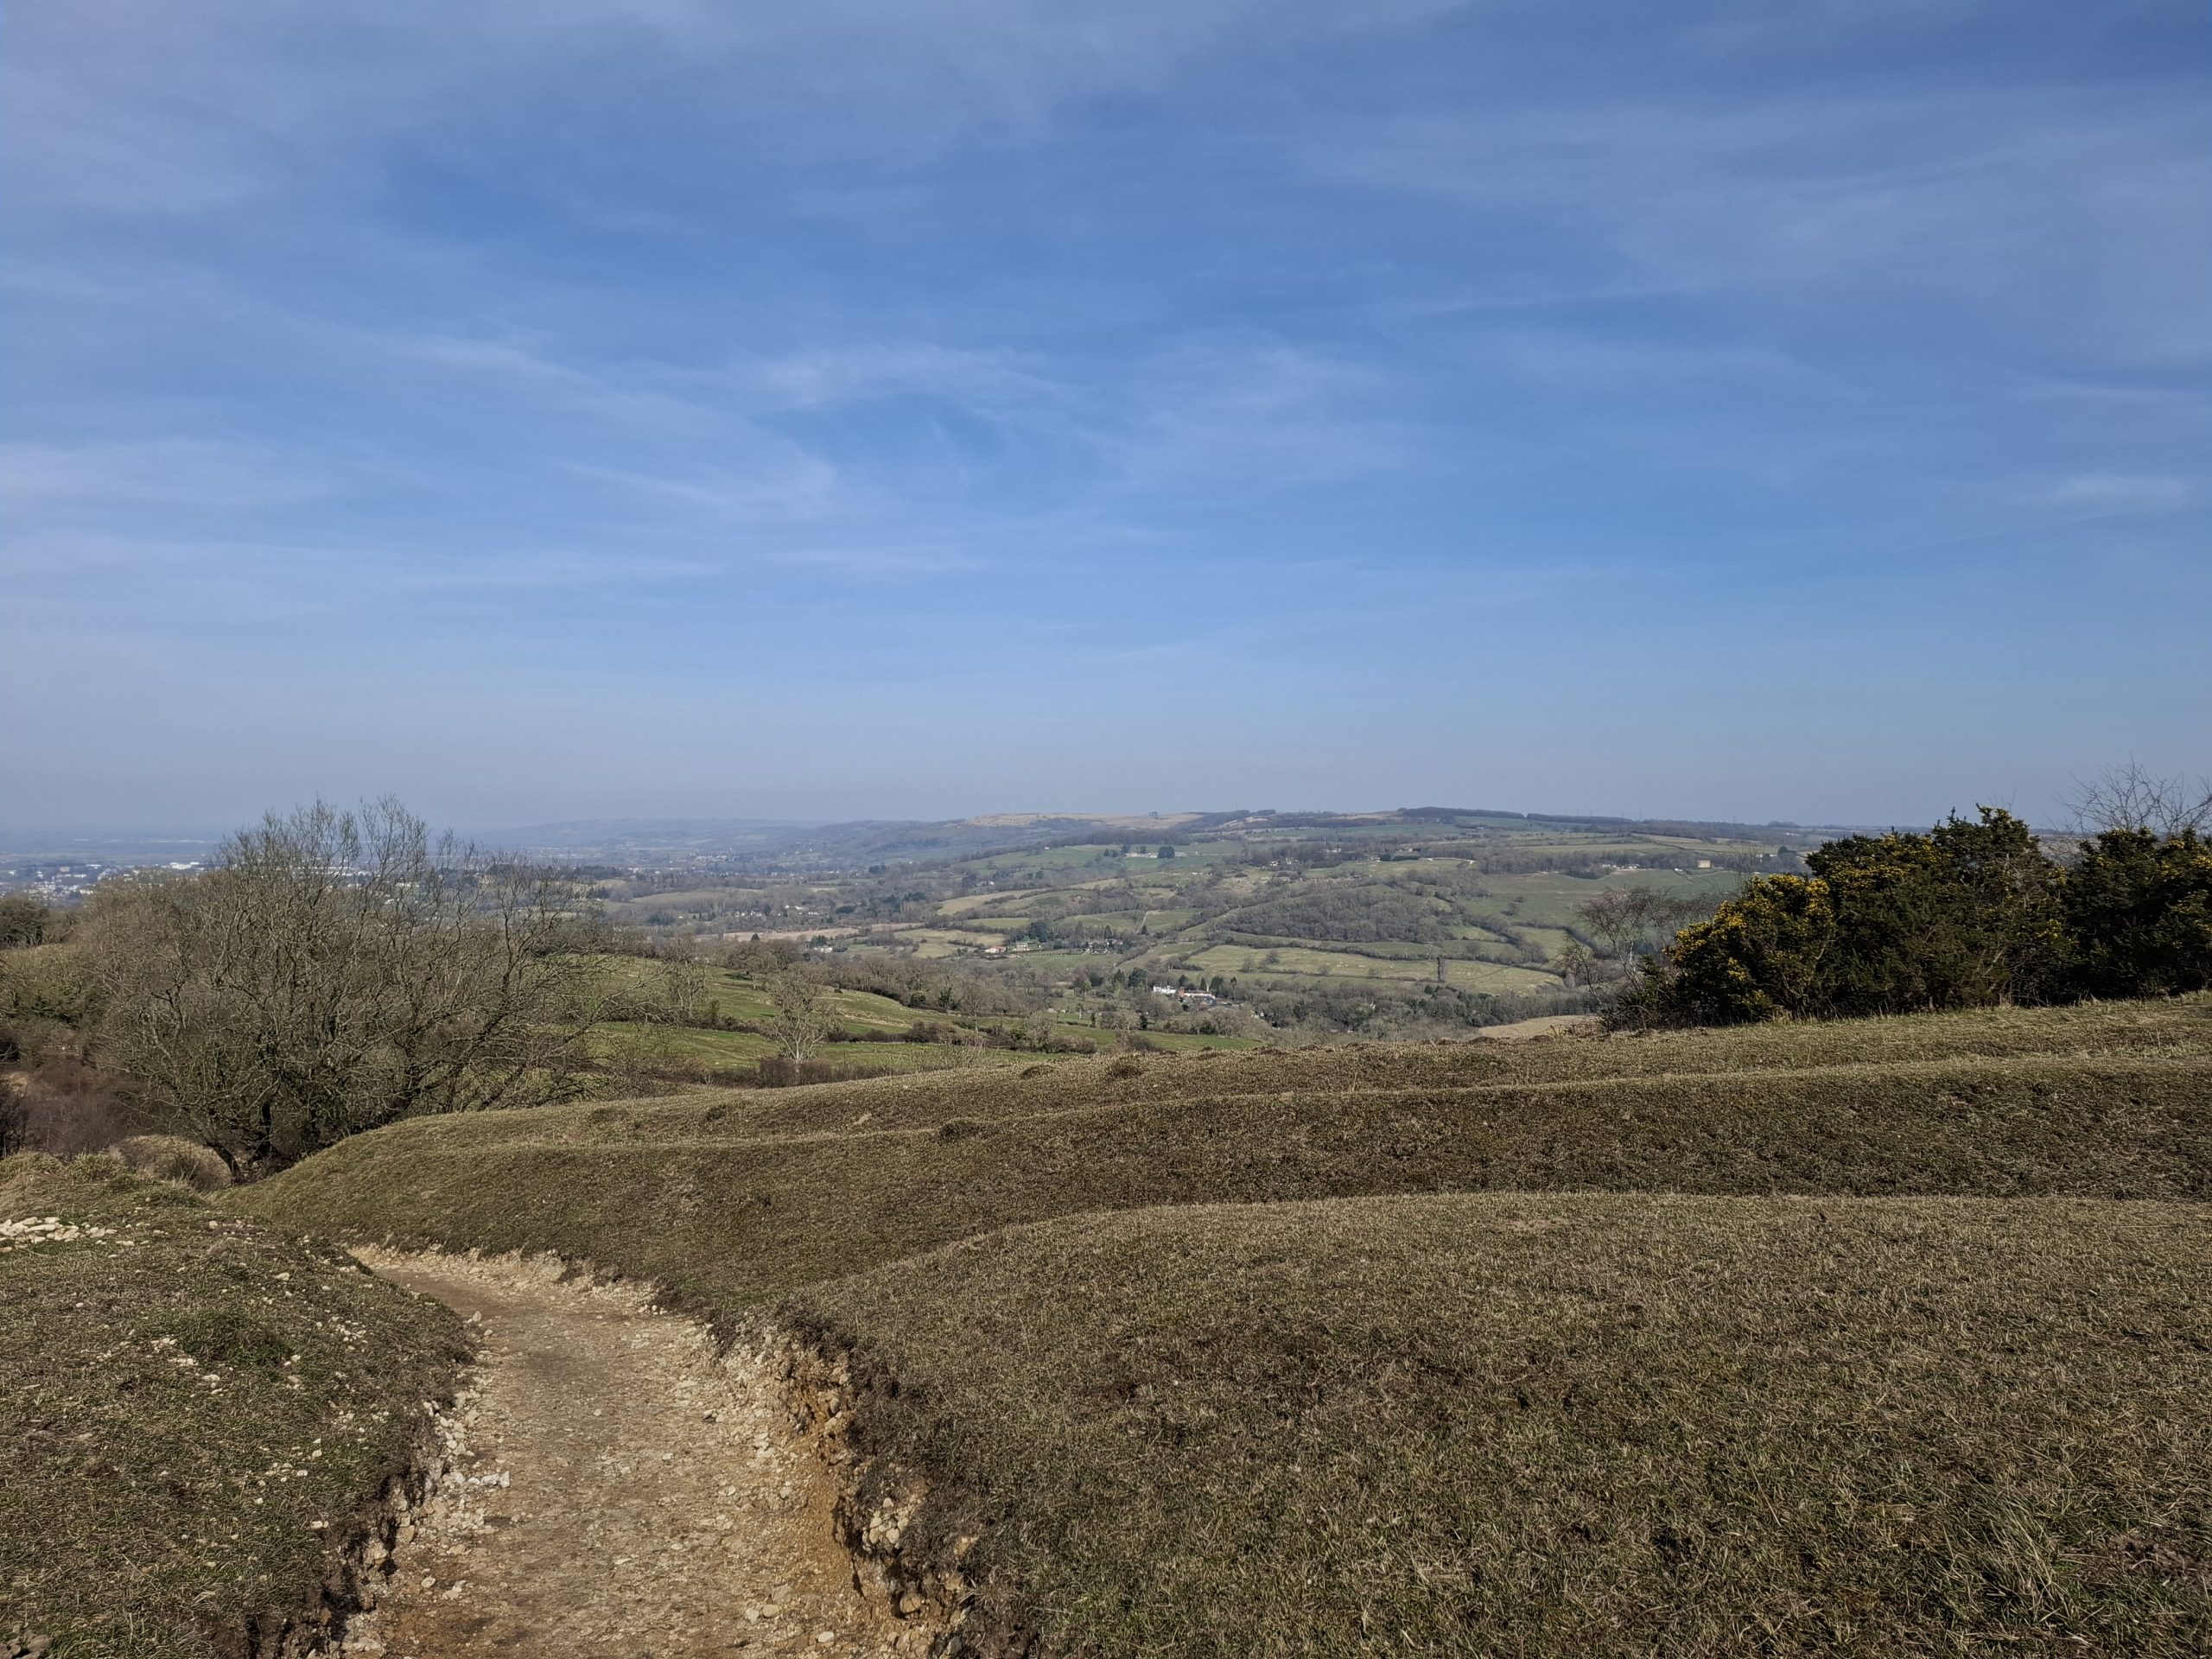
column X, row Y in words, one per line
column 1401, row 1010
column 1972, row 914
column 1346, row 912
column 26, row 921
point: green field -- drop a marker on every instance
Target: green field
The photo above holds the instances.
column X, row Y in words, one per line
column 1550, row 900
column 1253, row 961
column 1391, row 886
column 738, row 997
column 1878, row 1338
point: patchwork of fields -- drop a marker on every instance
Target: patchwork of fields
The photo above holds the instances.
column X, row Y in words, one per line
column 1286, row 918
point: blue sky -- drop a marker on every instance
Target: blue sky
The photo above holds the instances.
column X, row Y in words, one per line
column 554, row 408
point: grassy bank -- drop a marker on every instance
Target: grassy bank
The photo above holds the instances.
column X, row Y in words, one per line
column 200, row 1412
column 1540, row 1427
column 729, row 1218
column 2180, row 1027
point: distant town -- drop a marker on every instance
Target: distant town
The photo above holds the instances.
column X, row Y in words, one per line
column 72, row 879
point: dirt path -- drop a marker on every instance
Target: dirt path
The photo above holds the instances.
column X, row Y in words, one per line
column 616, row 1489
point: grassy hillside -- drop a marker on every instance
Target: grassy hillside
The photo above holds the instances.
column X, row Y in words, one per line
column 1550, row 1426
column 1884, row 1338
column 2180, row 1028
column 198, row 1412
column 731, row 1218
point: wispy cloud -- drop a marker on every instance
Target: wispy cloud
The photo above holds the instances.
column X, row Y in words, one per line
column 158, row 472
column 837, row 374
column 1228, row 414
column 2118, row 493
column 2104, row 194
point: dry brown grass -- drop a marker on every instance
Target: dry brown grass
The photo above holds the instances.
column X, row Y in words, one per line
column 198, row 1412
column 1869, row 1339
column 1541, row 1426
column 2178, row 1027
column 732, row 1218
column 172, row 1157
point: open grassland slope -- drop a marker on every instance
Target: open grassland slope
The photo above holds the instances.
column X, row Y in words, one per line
column 1891, row 1338
column 1538, row 1427
column 200, row 1415
column 2180, row 1028
column 700, row 1196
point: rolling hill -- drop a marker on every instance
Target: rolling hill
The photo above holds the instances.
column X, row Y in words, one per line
column 1880, row 1337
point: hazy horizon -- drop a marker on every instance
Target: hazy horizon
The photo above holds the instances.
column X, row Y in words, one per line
column 642, row 408
column 23, row 837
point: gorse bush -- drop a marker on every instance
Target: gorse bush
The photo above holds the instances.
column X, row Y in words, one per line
column 1973, row 914
column 2138, row 914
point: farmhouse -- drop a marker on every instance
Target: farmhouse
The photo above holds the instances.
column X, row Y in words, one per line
column 1188, row 998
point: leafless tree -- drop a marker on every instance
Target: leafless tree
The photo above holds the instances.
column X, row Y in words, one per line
column 2131, row 796
column 684, row 981
column 1575, row 964
column 1622, row 918
column 803, row 1020
column 333, row 971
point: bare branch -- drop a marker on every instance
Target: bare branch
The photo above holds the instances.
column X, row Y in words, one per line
column 2130, row 796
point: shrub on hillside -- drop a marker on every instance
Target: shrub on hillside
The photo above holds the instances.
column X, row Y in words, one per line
column 2138, row 914
column 65, row 1108
column 1971, row 915
column 43, row 982
column 1763, row 954
column 1963, row 916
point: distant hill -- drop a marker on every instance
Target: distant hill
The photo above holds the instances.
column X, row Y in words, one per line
column 596, row 834
column 764, row 845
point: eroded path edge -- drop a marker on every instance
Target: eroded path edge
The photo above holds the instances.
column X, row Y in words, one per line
column 610, row 1482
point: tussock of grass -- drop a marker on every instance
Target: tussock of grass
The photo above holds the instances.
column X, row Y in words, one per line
column 1553, row 1426
column 187, row 1394
column 171, row 1158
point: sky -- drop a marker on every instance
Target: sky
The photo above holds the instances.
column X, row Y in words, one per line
column 561, row 409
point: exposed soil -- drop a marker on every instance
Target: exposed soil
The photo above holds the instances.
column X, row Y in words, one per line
column 614, row 1487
